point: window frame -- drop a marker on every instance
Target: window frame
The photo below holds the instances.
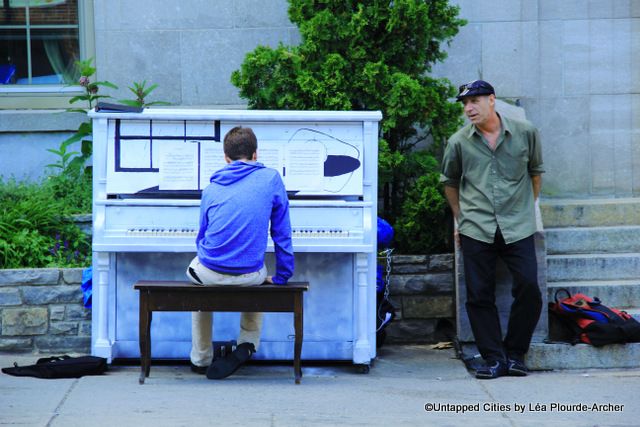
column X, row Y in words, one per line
column 35, row 96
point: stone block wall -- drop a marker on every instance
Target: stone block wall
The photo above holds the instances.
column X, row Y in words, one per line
column 421, row 288
column 41, row 311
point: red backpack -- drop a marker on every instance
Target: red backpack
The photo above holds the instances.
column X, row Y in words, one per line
column 592, row 322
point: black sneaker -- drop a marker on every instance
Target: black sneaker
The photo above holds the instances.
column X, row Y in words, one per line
column 198, row 369
column 517, row 368
column 491, row 370
column 224, row 366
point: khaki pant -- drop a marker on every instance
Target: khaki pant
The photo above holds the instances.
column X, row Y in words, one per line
column 202, row 322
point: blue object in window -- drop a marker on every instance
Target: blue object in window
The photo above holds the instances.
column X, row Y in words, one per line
column 6, row 73
column 87, row 285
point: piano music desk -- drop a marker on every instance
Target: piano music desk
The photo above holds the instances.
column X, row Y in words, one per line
column 185, row 296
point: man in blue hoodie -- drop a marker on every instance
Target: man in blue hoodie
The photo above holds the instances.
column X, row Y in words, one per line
column 244, row 201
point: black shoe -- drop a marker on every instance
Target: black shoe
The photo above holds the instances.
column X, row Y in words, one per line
column 491, row 370
column 223, row 367
column 517, row 368
column 198, row 369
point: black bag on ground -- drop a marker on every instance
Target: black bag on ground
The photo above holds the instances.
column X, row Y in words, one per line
column 60, row 367
column 589, row 321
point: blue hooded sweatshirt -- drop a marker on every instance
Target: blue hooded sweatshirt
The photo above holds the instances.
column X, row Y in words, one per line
column 235, row 212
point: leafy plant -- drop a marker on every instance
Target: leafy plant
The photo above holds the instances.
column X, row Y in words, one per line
column 74, row 188
column 72, row 162
column 422, row 226
column 368, row 55
column 141, row 92
column 66, row 160
column 34, row 231
column 90, row 95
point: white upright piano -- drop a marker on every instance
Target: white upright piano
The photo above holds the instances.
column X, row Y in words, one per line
column 149, row 170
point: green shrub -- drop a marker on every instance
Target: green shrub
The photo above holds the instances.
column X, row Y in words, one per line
column 75, row 188
column 35, row 230
column 371, row 55
column 422, row 224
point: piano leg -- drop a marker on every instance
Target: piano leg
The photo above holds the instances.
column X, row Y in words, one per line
column 362, row 346
column 101, row 344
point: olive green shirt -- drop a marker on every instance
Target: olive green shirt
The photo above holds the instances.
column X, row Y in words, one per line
column 495, row 186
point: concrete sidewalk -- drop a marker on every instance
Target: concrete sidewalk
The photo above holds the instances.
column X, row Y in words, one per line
column 403, row 383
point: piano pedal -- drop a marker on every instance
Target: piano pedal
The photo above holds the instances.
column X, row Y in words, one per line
column 222, row 348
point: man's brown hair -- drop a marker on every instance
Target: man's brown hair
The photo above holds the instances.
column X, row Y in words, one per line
column 240, row 143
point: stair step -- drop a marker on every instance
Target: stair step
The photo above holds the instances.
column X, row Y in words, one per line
column 615, row 293
column 573, row 240
column 544, row 356
column 590, row 212
column 593, row 267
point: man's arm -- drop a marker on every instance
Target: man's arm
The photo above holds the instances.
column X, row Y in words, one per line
column 536, row 182
column 281, row 236
column 453, row 198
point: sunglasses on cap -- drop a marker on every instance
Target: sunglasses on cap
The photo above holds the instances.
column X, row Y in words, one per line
column 475, row 88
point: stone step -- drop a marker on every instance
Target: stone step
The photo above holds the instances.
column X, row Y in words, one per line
column 615, row 293
column 545, row 356
column 567, row 268
column 574, row 240
column 548, row 355
column 590, row 213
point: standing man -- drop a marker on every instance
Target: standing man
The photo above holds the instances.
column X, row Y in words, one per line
column 244, row 201
column 492, row 175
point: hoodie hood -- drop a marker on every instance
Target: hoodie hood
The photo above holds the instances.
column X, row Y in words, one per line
column 235, row 171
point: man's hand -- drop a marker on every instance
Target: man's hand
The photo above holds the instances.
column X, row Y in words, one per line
column 456, row 235
column 269, row 280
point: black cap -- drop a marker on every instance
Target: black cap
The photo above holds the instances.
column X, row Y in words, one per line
column 475, row 88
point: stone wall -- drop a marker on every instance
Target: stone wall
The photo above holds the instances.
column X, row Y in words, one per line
column 41, row 311
column 422, row 291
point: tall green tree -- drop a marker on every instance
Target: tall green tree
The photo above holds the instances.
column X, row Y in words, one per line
column 372, row 55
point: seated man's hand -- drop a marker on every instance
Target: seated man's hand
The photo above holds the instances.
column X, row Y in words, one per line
column 269, row 279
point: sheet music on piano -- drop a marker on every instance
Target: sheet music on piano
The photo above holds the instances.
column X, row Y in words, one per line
column 149, row 169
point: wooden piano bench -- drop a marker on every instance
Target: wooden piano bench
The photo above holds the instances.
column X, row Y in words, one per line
column 185, row 296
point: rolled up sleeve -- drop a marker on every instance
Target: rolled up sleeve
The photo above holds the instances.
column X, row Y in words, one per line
column 451, row 167
column 535, row 166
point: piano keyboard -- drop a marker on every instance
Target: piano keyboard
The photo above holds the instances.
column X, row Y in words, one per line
column 162, row 232
column 306, row 232
column 171, row 226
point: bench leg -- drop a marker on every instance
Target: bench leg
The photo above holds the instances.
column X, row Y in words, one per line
column 148, row 352
column 145, row 339
column 297, row 348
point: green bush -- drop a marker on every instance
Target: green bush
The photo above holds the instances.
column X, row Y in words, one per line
column 423, row 222
column 371, row 55
column 35, row 230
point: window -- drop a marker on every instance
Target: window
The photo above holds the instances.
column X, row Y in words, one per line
column 40, row 40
